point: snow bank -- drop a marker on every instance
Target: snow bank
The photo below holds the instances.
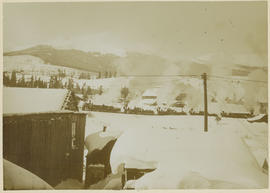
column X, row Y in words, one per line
column 219, row 158
column 99, row 139
column 254, row 134
column 17, row 178
column 69, row 184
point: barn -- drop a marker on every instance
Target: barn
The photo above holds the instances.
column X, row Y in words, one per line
column 43, row 132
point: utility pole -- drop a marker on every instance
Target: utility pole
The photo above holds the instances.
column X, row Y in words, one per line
column 204, row 77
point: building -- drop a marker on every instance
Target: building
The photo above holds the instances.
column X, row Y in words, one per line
column 228, row 110
column 43, row 133
column 149, row 97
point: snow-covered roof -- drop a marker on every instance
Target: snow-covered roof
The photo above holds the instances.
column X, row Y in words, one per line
column 149, row 92
column 227, row 108
column 33, row 100
column 234, row 108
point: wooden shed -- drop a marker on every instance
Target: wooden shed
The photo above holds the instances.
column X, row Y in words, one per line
column 49, row 142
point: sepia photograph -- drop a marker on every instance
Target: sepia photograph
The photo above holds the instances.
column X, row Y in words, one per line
column 135, row 95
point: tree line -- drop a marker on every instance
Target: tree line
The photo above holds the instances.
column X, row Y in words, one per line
column 13, row 82
column 55, row 81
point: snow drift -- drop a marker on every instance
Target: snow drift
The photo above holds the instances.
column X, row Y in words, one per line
column 98, row 140
column 18, row 178
column 188, row 158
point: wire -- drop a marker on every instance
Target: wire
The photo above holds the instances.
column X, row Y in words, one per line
column 237, row 79
column 258, row 84
column 147, row 75
column 196, row 76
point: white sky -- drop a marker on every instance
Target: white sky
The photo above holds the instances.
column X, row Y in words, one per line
column 174, row 30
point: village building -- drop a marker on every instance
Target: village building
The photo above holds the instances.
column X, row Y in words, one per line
column 43, row 133
column 228, row 110
column 149, row 97
column 180, row 103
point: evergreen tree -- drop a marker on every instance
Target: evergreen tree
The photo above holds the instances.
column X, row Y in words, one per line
column 51, row 83
column 56, row 82
column 13, row 78
column 45, row 84
column 23, row 81
column 39, row 83
column 70, row 84
column 124, row 92
column 88, row 76
column 89, row 90
column 6, row 80
column 100, row 91
column 32, row 81
column 35, row 83
column 84, row 93
column 66, row 85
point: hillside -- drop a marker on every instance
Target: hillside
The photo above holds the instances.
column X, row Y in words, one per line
column 136, row 63
column 70, row 58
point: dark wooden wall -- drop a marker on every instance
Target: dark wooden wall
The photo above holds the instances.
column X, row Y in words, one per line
column 42, row 144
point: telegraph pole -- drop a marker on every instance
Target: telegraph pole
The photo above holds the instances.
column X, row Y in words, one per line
column 204, row 77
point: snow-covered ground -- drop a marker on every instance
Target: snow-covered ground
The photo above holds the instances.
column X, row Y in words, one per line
column 229, row 155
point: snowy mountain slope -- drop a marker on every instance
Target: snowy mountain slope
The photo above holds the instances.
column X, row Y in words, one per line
column 69, row 58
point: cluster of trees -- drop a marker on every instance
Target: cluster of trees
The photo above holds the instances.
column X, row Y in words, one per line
column 84, row 90
column 61, row 73
column 32, row 83
column 85, row 75
column 106, row 74
column 54, row 82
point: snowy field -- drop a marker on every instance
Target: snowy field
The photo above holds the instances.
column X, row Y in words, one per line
column 229, row 155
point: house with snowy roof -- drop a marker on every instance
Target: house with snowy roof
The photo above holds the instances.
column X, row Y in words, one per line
column 149, row 97
column 37, row 100
column 43, row 132
column 148, row 101
column 227, row 110
column 235, row 110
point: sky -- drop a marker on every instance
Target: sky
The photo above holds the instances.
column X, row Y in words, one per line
column 198, row 31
